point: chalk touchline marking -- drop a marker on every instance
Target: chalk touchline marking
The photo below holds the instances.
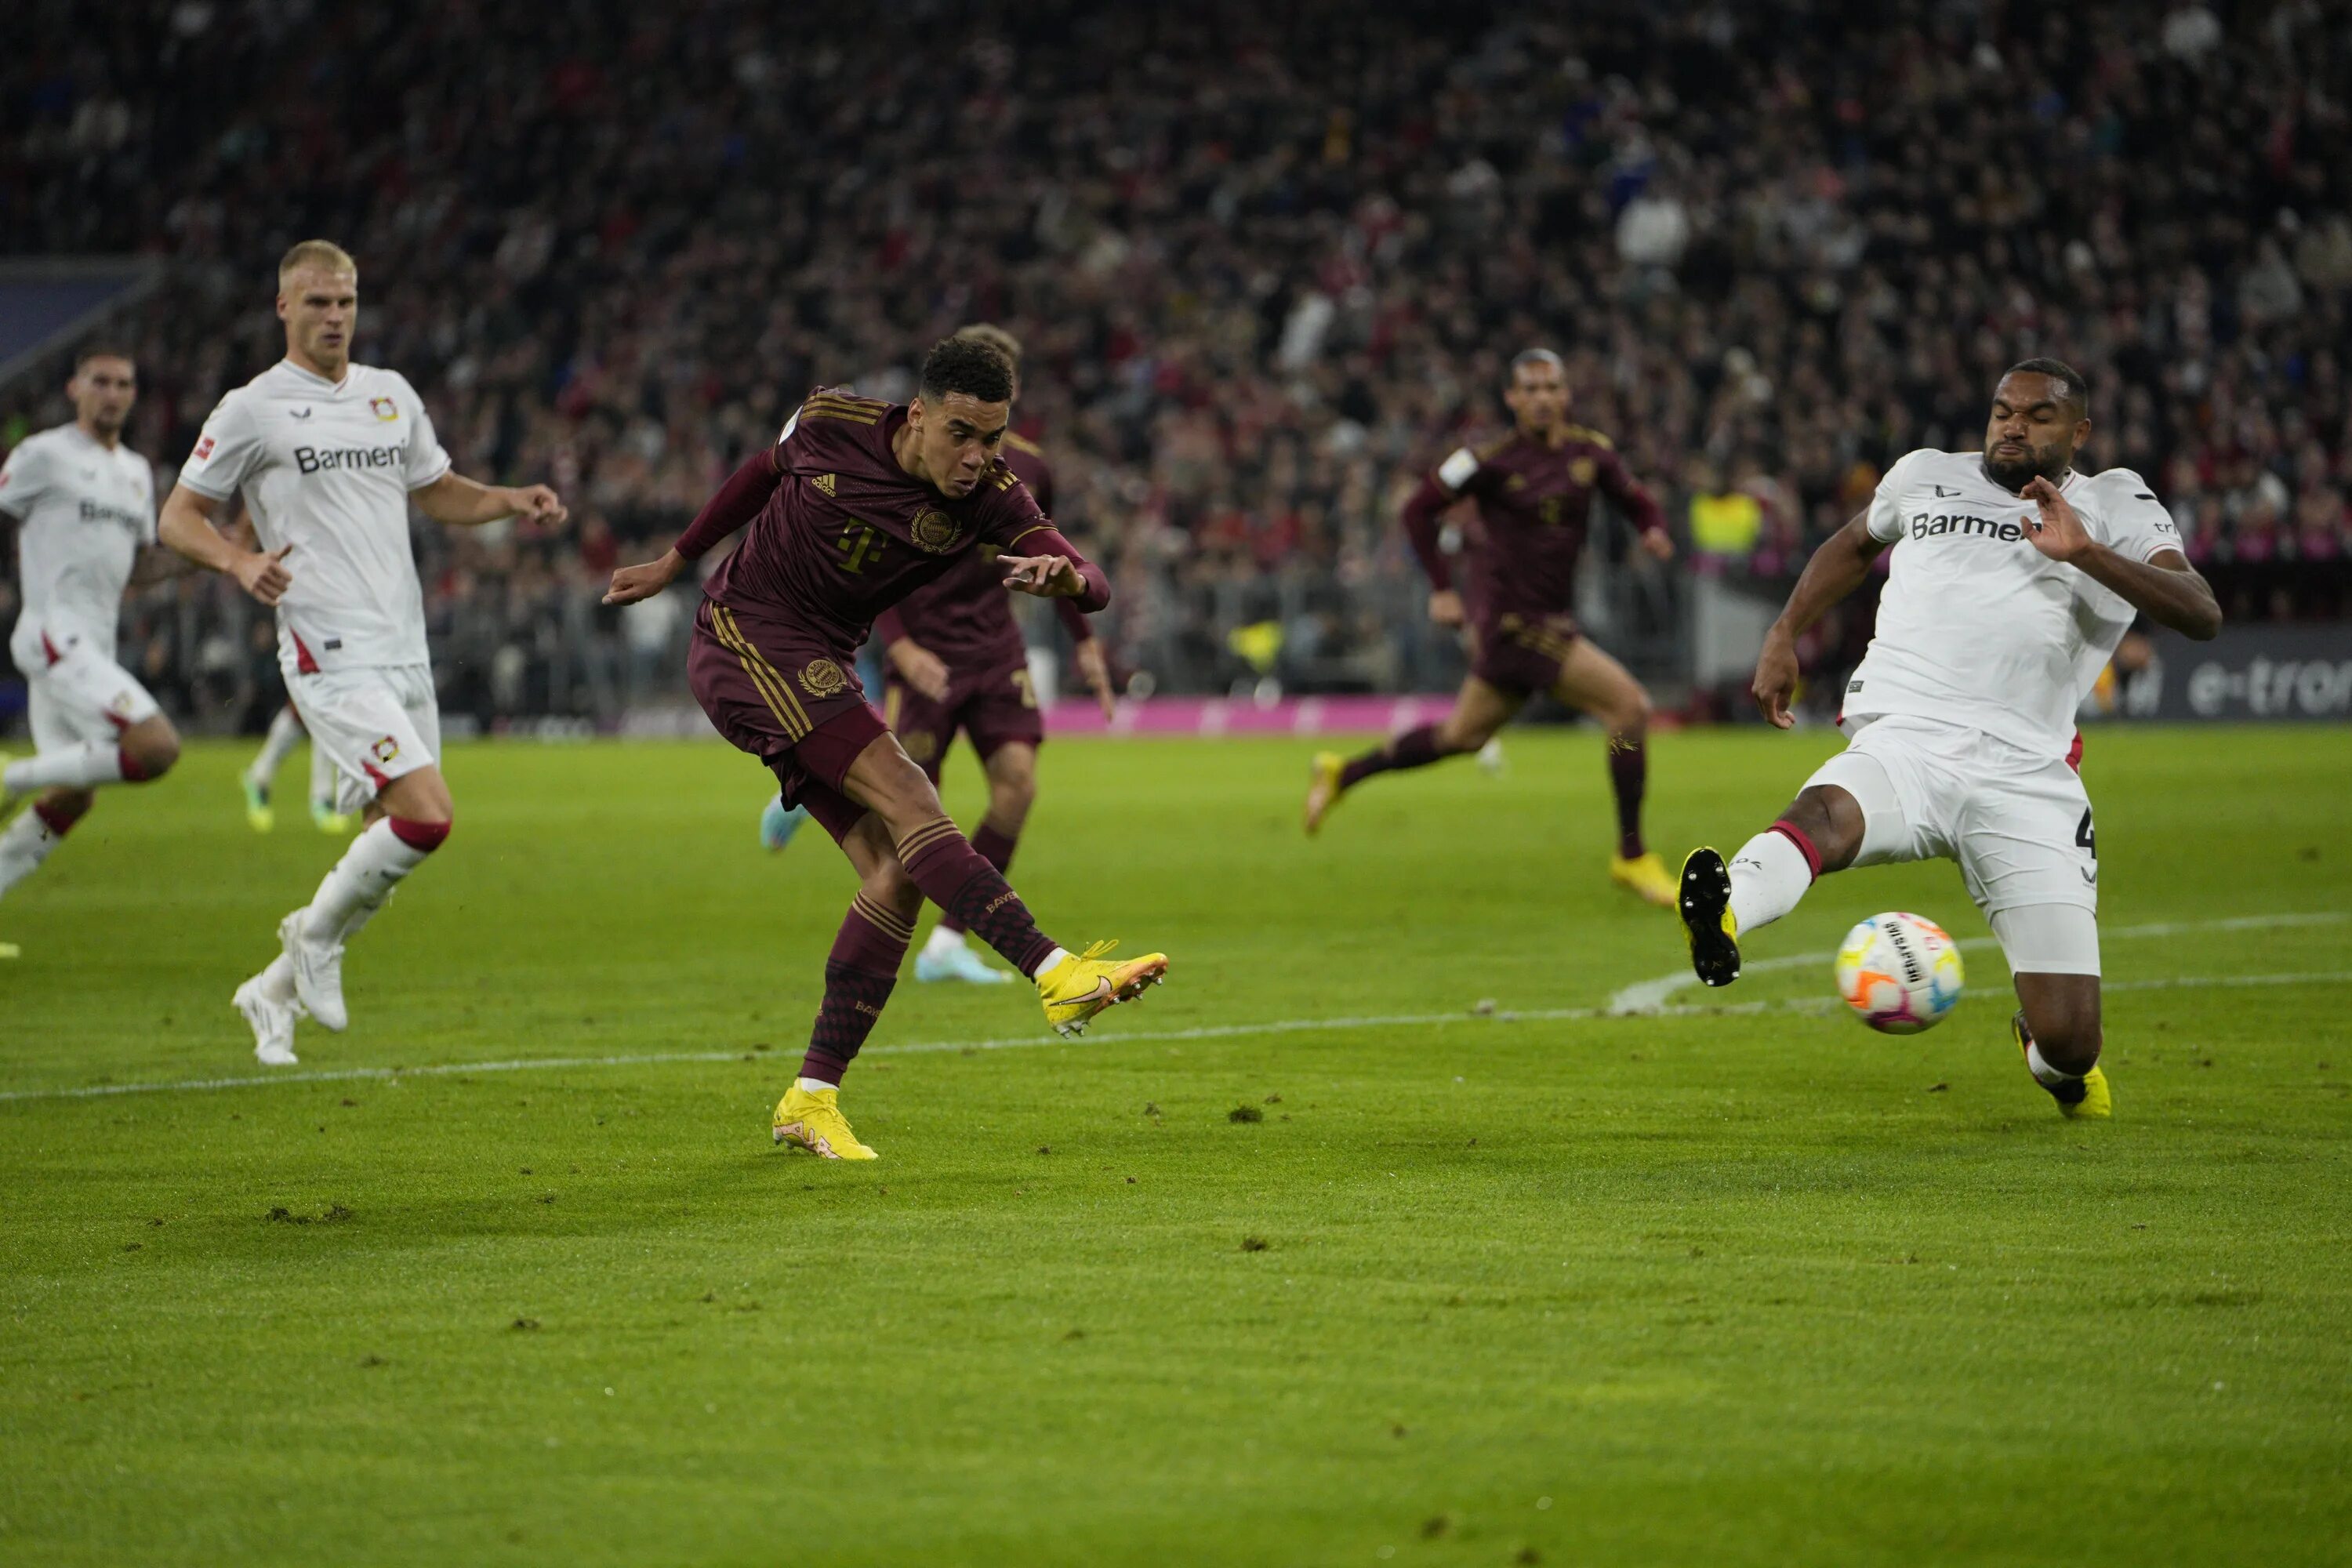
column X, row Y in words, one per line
column 1615, row 1008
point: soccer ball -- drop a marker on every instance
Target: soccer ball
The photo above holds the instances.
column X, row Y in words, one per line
column 1900, row 974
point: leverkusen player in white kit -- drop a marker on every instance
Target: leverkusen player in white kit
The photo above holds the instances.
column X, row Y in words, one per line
column 88, row 506
column 2012, row 579
column 329, row 454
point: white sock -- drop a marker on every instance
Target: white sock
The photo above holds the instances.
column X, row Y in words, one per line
column 361, row 880
column 812, row 1085
column 944, row 941
column 2044, row 1073
column 323, row 777
column 74, row 767
column 285, row 734
column 24, row 845
column 1052, row 959
column 1768, row 875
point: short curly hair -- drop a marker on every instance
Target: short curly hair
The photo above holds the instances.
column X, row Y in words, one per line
column 968, row 365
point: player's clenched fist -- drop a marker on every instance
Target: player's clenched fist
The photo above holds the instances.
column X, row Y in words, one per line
column 264, row 576
column 538, row 503
column 1446, row 608
column 631, row 584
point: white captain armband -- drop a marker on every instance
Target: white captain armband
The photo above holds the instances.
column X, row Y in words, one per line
column 1456, row 471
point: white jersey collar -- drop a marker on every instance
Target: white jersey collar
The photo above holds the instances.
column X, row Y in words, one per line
column 315, row 379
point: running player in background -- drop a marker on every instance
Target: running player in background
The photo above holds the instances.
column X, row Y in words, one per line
column 329, row 454
column 1534, row 488
column 88, row 506
column 859, row 503
column 2014, row 578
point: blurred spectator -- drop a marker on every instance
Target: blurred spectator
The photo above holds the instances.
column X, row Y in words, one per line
column 1269, row 263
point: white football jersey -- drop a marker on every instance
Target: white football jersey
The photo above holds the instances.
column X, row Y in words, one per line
column 86, row 508
column 1979, row 628
column 326, row 468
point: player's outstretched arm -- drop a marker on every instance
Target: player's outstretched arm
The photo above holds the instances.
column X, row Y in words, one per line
column 738, row 501
column 1836, row 569
column 2166, row 588
column 460, row 502
column 186, row 529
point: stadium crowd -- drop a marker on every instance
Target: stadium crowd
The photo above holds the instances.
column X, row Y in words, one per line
column 1268, row 262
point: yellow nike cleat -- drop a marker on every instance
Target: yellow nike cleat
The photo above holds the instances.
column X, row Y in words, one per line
column 1083, row 983
column 812, row 1120
column 10, row 949
column 1323, row 787
column 1706, row 909
column 258, row 813
column 2084, row 1096
column 328, row 820
column 1644, row 874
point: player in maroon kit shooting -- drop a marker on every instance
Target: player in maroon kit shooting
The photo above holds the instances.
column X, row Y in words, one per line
column 1534, row 489
column 955, row 660
column 857, row 504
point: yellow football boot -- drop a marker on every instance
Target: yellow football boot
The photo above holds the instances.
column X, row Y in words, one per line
column 812, row 1120
column 328, row 820
column 1323, row 787
column 1645, row 875
column 1082, row 985
column 1706, row 907
column 10, row 949
column 2084, row 1096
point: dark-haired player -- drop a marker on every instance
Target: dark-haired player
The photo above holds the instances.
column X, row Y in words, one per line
column 955, row 661
column 87, row 505
column 1534, row 488
column 858, row 503
column 2012, row 579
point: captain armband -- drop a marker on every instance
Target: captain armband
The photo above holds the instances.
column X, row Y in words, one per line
column 1456, row 471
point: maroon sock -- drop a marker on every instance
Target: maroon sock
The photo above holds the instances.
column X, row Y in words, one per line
column 858, row 975
column 994, row 848
column 1414, row 749
column 1629, row 774
column 957, row 878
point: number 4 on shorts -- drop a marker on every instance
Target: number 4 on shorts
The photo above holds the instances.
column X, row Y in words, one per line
column 2084, row 836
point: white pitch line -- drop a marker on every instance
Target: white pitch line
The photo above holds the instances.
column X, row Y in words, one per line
column 1650, row 995
column 1015, row 1042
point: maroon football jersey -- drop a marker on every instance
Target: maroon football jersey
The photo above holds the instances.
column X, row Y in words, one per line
column 850, row 532
column 965, row 615
column 1535, row 503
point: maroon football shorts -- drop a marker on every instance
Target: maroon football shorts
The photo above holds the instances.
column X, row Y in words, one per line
column 999, row 707
column 791, row 699
column 1520, row 654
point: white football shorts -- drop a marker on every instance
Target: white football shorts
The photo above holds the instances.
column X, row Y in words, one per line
column 375, row 722
column 83, row 699
column 2019, row 824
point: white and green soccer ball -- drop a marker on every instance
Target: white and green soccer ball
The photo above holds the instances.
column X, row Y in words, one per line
column 1900, row 972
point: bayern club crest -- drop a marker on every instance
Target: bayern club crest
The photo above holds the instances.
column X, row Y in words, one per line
column 384, row 409
column 934, row 530
column 822, row 679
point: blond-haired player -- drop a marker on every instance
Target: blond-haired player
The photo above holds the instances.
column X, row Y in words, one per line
column 329, row 454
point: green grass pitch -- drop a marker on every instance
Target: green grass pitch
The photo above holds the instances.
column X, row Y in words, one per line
column 1759, row 1288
